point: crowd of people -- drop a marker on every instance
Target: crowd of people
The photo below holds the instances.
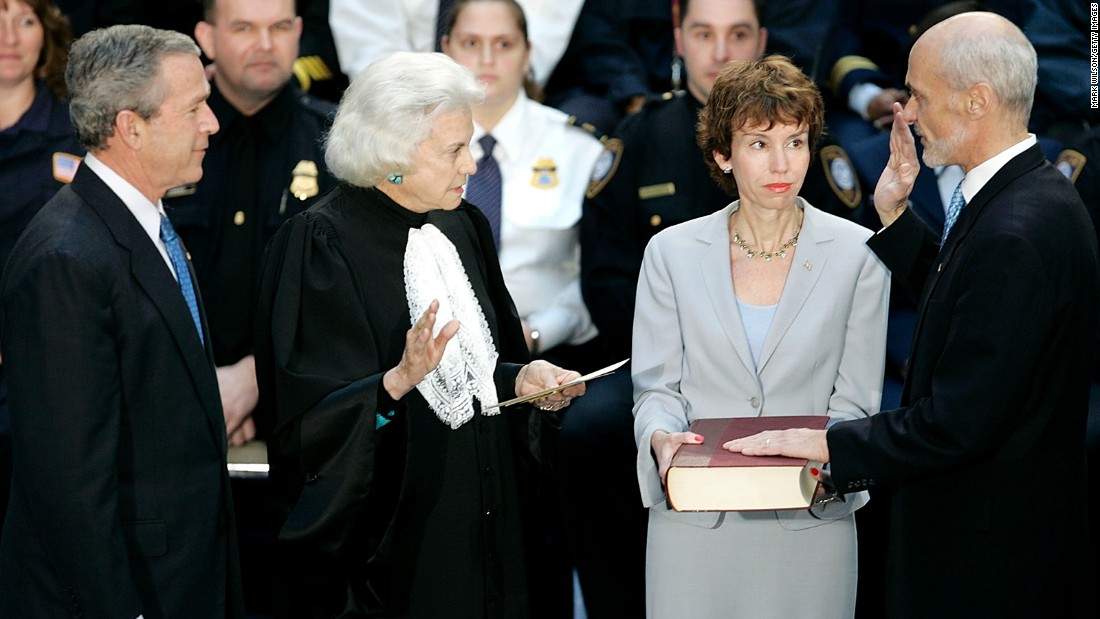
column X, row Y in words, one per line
column 382, row 242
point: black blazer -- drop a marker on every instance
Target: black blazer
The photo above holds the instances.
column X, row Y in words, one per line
column 120, row 498
column 987, row 453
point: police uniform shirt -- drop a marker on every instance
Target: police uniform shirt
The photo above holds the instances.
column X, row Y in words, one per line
column 39, row 155
column 226, row 237
column 652, row 175
column 545, row 166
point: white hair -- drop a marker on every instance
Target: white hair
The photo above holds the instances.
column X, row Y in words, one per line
column 1005, row 61
column 389, row 110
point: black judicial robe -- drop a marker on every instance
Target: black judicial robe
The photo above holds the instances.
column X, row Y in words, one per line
column 384, row 509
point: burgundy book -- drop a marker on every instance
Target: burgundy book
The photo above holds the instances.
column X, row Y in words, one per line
column 706, row 477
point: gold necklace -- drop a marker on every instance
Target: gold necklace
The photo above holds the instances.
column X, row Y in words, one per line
column 767, row 256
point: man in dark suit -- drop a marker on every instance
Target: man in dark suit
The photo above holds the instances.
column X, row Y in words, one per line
column 120, row 498
column 986, row 456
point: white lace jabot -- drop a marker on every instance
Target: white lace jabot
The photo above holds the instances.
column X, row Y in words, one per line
column 433, row 271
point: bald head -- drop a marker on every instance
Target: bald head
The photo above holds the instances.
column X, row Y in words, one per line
column 982, row 47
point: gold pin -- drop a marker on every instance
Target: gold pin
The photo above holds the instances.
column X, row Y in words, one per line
column 238, row 218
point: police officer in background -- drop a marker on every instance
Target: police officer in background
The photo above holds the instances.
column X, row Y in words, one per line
column 265, row 165
column 652, row 175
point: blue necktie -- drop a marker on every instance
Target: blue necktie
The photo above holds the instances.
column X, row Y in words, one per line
column 953, row 210
column 483, row 188
column 179, row 263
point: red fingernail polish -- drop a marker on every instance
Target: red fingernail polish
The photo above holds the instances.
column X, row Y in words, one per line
column 814, row 471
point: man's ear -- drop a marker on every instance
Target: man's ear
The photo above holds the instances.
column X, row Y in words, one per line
column 204, row 34
column 979, row 100
column 130, row 129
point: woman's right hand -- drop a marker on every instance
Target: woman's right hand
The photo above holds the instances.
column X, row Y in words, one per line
column 422, row 353
column 665, row 444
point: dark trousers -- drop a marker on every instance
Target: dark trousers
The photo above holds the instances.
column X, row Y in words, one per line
column 601, row 504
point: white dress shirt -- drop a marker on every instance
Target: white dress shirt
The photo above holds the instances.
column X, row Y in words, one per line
column 365, row 31
column 980, row 175
column 545, row 166
column 145, row 212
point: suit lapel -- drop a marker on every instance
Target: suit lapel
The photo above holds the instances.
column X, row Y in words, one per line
column 808, row 263
column 1024, row 162
column 153, row 276
column 714, row 264
column 1017, row 166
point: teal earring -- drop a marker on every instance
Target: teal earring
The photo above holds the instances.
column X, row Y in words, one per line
column 395, row 178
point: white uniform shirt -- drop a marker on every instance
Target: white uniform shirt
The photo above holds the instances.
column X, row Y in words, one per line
column 365, row 31
column 545, row 165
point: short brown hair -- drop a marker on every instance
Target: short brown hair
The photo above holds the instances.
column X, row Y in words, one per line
column 756, row 93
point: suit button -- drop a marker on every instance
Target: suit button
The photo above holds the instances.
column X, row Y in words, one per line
column 311, row 477
column 655, row 221
column 754, row 402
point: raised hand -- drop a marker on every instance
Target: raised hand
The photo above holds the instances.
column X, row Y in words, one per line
column 896, row 182
column 422, row 353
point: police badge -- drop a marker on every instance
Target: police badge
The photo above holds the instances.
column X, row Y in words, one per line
column 544, row 174
column 303, row 185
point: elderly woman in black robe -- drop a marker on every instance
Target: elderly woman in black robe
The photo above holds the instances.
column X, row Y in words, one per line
column 385, row 339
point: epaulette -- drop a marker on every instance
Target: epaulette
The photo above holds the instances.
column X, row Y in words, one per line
column 1070, row 162
column 589, row 128
column 309, row 69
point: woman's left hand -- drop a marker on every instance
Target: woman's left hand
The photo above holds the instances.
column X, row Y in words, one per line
column 541, row 375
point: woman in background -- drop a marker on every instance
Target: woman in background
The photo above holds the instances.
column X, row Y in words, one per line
column 767, row 307
column 541, row 164
column 38, row 147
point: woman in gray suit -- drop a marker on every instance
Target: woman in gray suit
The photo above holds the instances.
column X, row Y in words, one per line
column 767, row 307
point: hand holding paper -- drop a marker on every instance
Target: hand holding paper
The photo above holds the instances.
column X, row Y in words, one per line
column 551, row 391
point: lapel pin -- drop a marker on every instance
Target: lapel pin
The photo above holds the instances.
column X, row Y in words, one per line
column 806, row 265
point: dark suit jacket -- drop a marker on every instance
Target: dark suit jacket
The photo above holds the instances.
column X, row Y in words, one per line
column 120, row 499
column 987, row 453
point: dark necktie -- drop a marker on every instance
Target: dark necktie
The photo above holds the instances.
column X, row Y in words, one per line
column 230, row 291
column 953, row 210
column 483, row 188
column 183, row 273
column 441, row 22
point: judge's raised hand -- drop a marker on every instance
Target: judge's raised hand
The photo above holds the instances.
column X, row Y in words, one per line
column 665, row 444
column 540, row 375
column 793, row 443
column 896, row 182
column 422, row 353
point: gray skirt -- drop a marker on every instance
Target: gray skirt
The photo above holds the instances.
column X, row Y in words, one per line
column 749, row 565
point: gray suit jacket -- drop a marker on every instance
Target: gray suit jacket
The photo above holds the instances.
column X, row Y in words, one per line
column 823, row 354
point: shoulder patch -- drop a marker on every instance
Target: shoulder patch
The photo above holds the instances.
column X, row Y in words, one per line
column 64, row 166
column 605, row 166
column 841, row 175
column 1070, row 162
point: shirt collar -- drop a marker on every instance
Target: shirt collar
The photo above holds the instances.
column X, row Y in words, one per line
column 508, row 132
column 146, row 213
column 269, row 122
column 979, row 176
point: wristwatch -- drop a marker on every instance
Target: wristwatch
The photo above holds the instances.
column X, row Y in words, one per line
column 535, row 343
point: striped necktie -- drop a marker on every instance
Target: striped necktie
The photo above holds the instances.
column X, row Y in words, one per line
column 183, row 274
column 953, row 210
column 483, row 188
